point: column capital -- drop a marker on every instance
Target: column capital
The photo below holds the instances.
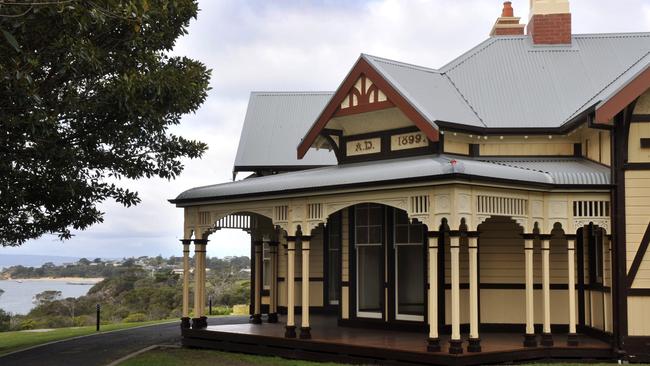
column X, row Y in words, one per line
column 201, row 241
column 186, row 241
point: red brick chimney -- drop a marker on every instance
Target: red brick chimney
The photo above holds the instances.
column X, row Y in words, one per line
column 550, row 22
column 507, row 24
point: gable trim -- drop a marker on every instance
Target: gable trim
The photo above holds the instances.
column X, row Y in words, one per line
column 362, row 67
column 609, row 108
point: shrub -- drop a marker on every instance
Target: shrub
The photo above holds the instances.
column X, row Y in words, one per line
column 221, row 310
column 27, row 324
column 135, row 318
column 240, row 310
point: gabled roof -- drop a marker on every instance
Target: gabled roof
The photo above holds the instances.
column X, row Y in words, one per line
column 363, row 67
column 274, row 122
column 508, row 83
column 511, row 83
column 543, row 172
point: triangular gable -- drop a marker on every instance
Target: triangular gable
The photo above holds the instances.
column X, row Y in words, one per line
column 364, row 96
column 364, row 90
column 615, row 103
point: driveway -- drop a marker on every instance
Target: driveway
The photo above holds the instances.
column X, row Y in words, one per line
column 104, row 348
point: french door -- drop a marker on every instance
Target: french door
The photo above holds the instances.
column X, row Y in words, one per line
column 409, row 269
column 389, row 264
column 369, row 252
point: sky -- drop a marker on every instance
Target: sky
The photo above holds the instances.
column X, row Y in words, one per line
column 288, row 46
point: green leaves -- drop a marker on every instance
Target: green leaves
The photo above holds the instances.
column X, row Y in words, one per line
column 86, row 101
column 11, row 39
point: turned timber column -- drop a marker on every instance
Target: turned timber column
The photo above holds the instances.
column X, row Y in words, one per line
column 199, row 321
column 257, row 306
column 455, row 343
column 290, row 331
column 273, row 283
column 434, row 339
column 474, row 339
column 547, row 337
column 572, row 339
column 203, row 253
column 185, row 320
column 305, row 330
column 529, row 337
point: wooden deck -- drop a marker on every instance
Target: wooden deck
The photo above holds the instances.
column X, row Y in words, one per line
column 331, row 342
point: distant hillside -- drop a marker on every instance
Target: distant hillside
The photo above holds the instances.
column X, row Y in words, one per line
column 8, row 260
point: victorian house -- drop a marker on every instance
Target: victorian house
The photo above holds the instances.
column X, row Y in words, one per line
column 495, row 209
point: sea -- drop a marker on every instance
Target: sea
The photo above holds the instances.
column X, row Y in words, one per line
column 18, row 294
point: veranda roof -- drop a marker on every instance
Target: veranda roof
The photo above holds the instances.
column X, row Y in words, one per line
column 549, row 172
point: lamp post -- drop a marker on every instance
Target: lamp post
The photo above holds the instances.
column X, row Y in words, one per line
column 210, row 305
column 98, row 316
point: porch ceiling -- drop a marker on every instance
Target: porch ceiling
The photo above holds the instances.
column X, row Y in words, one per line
column 550, row 172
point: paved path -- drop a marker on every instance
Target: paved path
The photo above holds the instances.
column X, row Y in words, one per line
column 101, row 349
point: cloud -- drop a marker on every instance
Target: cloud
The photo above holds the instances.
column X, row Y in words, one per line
column 295, row 45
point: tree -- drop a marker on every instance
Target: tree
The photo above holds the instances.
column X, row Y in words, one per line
column 83, row 262
column 88, row 92
column 46, row 297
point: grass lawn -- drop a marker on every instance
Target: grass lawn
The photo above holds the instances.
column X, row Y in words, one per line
column 13, row 341
column 196, row 357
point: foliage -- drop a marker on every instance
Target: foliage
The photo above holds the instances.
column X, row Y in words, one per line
column 134, row 293
column 89, row 91
column 46, row 297
column 91, row 270
column 5, row 321
column 135, row 318
column 221, row 310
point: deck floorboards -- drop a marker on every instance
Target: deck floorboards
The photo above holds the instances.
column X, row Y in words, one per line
column 329, row 339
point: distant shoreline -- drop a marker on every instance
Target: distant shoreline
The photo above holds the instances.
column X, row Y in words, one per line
column 67, row 279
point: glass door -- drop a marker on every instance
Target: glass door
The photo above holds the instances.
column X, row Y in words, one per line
column 369, row 220
column 409, row 269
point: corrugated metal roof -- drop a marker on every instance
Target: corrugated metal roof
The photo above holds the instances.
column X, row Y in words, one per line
column 429, row 91
column 561, row 170
column 555, row 171
column 507, row 82
column 275, row 122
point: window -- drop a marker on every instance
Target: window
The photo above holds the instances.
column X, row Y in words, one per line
column 409, row 268
column 368, row 229
column 334, row 259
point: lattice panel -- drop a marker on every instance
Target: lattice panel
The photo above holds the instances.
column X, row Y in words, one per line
column 591, row 209
column 281, row 213
column 503, row 206
column 419, row 205
column 314, row 211
column 236, row 222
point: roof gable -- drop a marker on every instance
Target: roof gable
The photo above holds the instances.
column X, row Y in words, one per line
column 356, row 95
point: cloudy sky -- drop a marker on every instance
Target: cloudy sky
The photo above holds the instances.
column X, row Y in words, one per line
column 295, row 45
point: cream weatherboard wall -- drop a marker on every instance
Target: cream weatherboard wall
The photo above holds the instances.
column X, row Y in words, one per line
column 595, row 144
column 637, row 210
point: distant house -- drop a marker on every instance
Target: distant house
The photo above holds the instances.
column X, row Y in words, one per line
column 496, row 209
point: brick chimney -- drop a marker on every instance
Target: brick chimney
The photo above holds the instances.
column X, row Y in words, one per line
column 550, row 22
column 507, row 24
